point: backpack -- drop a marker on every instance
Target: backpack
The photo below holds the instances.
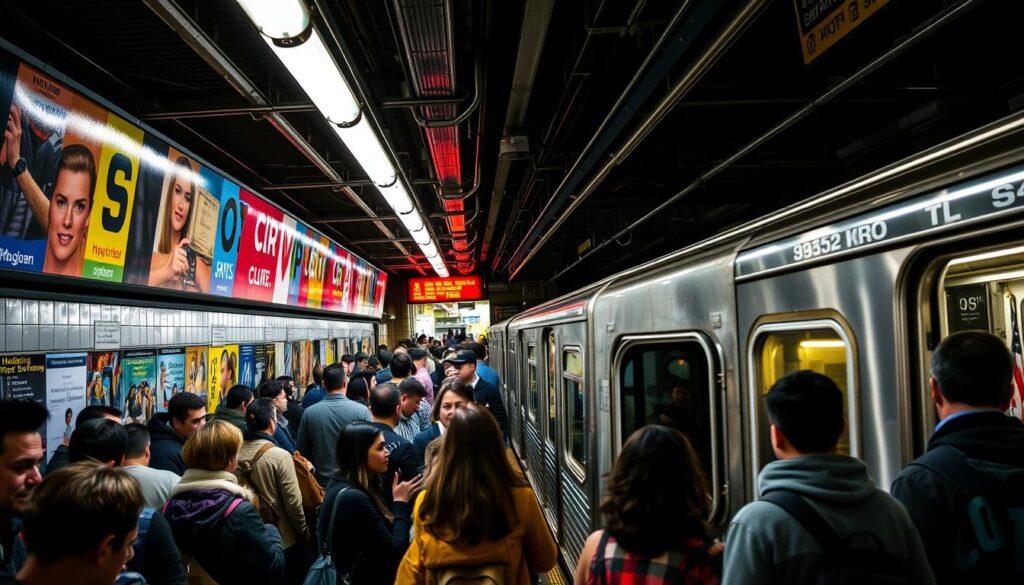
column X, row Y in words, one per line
column 310, row 489
column 139, row 546
column 989, row 531
column 323, row 571
column 488, row 574
column 195, row 573
column 841, row 563
column 262, row 503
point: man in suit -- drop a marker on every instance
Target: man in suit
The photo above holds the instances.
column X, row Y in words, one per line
column 484, row 392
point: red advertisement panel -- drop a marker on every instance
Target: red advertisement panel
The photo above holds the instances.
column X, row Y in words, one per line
column 258, row 251
column 443, row 290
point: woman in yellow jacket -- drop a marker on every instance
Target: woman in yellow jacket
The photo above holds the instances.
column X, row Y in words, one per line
column 476, row 510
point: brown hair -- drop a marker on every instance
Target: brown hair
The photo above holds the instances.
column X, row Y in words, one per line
column 182, row 166
column 79, row 505
column 469, row 498
column 450, row 384
column 78, row 159
column 352, row 451
column 212, row 446
column 656, row 493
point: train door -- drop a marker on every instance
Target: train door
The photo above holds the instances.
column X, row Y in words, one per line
column 549, row 431
column 511, row 369
column 531, row 409
column 782, row 344
column 673, row 380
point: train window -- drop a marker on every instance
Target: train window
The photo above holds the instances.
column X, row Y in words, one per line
column 533, row 404
column 552, row 363
column 669, row 382
column 572, row 381
column 782, row 348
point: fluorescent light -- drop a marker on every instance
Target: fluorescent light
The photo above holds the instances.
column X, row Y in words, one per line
column 429, row 250
column 988, row 255
column 412, row 221
column 821, row 343
column 420, row 236
column 397, row 197
column 277, row 19
column 315, row 70
column 364, row 145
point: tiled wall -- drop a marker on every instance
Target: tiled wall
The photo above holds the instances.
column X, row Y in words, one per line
column 34, row 325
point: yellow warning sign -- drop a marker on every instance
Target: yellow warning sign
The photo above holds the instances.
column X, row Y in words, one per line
column 823, row 23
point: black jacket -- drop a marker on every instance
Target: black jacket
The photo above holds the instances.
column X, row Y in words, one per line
column 294, row 416
column 994, row 446
column 59, row 459
column 402, row 458
column 236, row 548
column 488, row 395
column 165, row 445
column 423, row 439
column 365, row 545
column 158, row 560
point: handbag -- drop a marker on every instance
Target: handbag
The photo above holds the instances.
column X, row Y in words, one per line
column 323, row 571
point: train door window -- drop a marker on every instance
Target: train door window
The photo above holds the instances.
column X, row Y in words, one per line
column 572, row 388
column 551, row 384
column 533, row 403
column 782, row 348
column 984, row 291
column 670, row 382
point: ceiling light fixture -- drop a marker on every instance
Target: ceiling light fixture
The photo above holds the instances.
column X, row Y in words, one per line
column 287, row 28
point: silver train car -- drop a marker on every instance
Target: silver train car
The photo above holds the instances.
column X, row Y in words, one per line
column 859, row 283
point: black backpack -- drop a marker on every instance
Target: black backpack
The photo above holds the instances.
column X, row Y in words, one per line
column 842, row 563
column 988, row 531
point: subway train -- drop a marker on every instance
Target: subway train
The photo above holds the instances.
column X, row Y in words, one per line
column 859, row 283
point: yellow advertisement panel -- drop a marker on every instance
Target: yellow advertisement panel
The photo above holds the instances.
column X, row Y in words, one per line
column 110, row 219
column 223, row 374
column 822, row 23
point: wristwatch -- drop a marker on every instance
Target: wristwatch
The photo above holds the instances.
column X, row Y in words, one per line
column 20, row 167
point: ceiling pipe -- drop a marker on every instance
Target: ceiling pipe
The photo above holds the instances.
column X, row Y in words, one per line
column 919, row 33
column 171, row 13
column 536, row 19
column 689, row 20
column 694, row 73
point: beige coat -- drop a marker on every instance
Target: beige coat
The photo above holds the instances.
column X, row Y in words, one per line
column 274, row 476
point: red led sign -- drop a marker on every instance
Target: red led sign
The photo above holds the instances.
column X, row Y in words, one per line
column 444, row 290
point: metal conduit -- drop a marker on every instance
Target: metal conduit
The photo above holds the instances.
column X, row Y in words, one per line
column 170, row 13
column 722, row 42
column 677, row 37
column 925, row 30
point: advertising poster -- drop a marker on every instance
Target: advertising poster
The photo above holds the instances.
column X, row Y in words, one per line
column 149, row 217
column 378, row 302
column 195, row 370
column 223, row 374
column 24, row 376
column 261, row 239
column 305, row 374
column 331, row 298
column 259, row 363
column 173, row 262
column 331, row 352
column 229, row 234
column 283, row 264
column 292, row 349
column 247, row 366
column 113, row 199
column 102, row 376
column 34, row 121
column 316, row 269
column 65, row 396
column 138, row 385
column 275, row 351
column 170, row 375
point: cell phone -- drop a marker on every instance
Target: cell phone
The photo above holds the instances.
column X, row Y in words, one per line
column 188, row 278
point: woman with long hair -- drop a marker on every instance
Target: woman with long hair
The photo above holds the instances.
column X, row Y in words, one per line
column 216, row 527
column 359, row 387
column 453, row 395
column 369, row 537
column 654, row 516
column 169, row 263
column 476, row 509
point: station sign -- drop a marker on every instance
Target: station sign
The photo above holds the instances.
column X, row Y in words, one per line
column 981, row 199
column 87, row 192
column 446, row 289
column 823, row 23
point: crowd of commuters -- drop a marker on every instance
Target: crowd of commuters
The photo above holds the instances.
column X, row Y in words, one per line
column 391, row 496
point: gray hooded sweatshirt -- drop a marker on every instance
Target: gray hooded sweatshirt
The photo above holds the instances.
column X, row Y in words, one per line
column 767, row 545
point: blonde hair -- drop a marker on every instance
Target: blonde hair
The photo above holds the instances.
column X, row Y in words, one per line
column 212, row 446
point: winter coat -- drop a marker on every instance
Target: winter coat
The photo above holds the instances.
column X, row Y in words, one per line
column 165, row 444
column 230, row 415
column 234, row 548
column 993, row 444
column 274, row 478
